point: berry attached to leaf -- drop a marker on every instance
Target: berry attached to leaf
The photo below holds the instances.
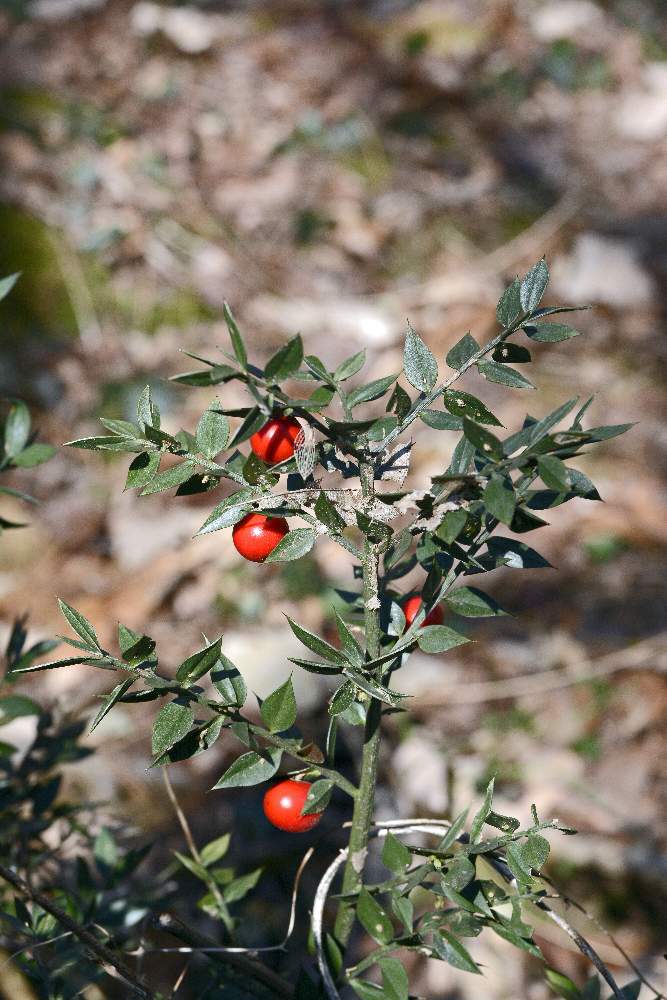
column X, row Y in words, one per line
column 274, row 442
column 412, row 606
column 256, row 535
column 283, row 804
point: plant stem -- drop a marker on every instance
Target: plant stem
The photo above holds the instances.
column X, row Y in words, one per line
column 362, row 816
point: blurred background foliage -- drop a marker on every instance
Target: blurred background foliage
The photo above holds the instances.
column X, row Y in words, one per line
column 332, row 168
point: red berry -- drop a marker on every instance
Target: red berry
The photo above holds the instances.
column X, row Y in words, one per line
column 274, row 442
column 412, row 606
column 256, row 535
column 283, row 804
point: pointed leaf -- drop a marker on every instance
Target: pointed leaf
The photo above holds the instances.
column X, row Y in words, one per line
column 285, row 361
column 278, row 711
column 419, row 365
column 373, row 390
column 462, row 351
column 462, row 404
column 500, row 499
column 17, row 429
column 212, row 433
column 534, row 286
column 473, row 603
column 450, row 949
column 81, row 626
column 509, row 304
column 504, row 375
column 199, row 664
column 373, row 918
column 251, row 769
column 394, row 979
column 172, row 723
column 350, row 366
column 439, row 638
column 395, row 855
column 173, row 476
column 550, row 333
column 318, row 797
column 294, row 545
column 235, row 335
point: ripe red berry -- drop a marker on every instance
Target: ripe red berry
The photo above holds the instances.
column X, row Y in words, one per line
column 274, row 442
column 283, row 804
column 412, row 606
column 256, row 535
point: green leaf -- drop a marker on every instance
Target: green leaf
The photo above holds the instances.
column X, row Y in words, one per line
column 229, row 511
column 483, row 440
column 550, row 333
column 14, row 706
column 173, row 476
column 631, row 990
column 503, row 375
column 373, row 918
column 543, row 426
column 317, row 367
column 198, row 664
column 419, row 365
column 515, row 554
column 142, row 469
column 6, row 284
column 439, row 638
column 17, row 429
column 472, row 603
column 440, row 421
column 554, row 473
column 326, row 512
column 591, row 990
column 460, row 873
column 239, row 887
column 405, row 911
column 212, row 433
column 148, row 414
column 480, row 816
column 235, row 335
column 370, row 391
column 562, row 985
column 350, row 366
column 399, row 402
column 394, row 979
column 374, row 688
column 316, row 644
column 318, row 797
column 172, row 723
column 81, row 626
column 285, row 361
column 34, row 454
column 455, row 829
column 509, row 304
column 342, row 698
column 500, row 499
column 295, row 544
column 110, row 700
column 462, row 404
column 450, row 950
column 228, row 682
column 251, row 769
column 462, row 351
column 215, row 850
column 253, row 421
column 535, row 851
column 349, row 644
column 462, row 457
column 278, row 711
column 395, row 855
column 534, row 286
column 512, row 354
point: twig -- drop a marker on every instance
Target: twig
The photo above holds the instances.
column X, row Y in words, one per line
column 584, row 947
column 108, row 958
column 636, row 657
column 232, row 957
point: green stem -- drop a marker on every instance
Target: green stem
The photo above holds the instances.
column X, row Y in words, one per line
column 362, row 816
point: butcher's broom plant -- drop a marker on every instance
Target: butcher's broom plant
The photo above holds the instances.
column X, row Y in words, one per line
column 319, row 453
